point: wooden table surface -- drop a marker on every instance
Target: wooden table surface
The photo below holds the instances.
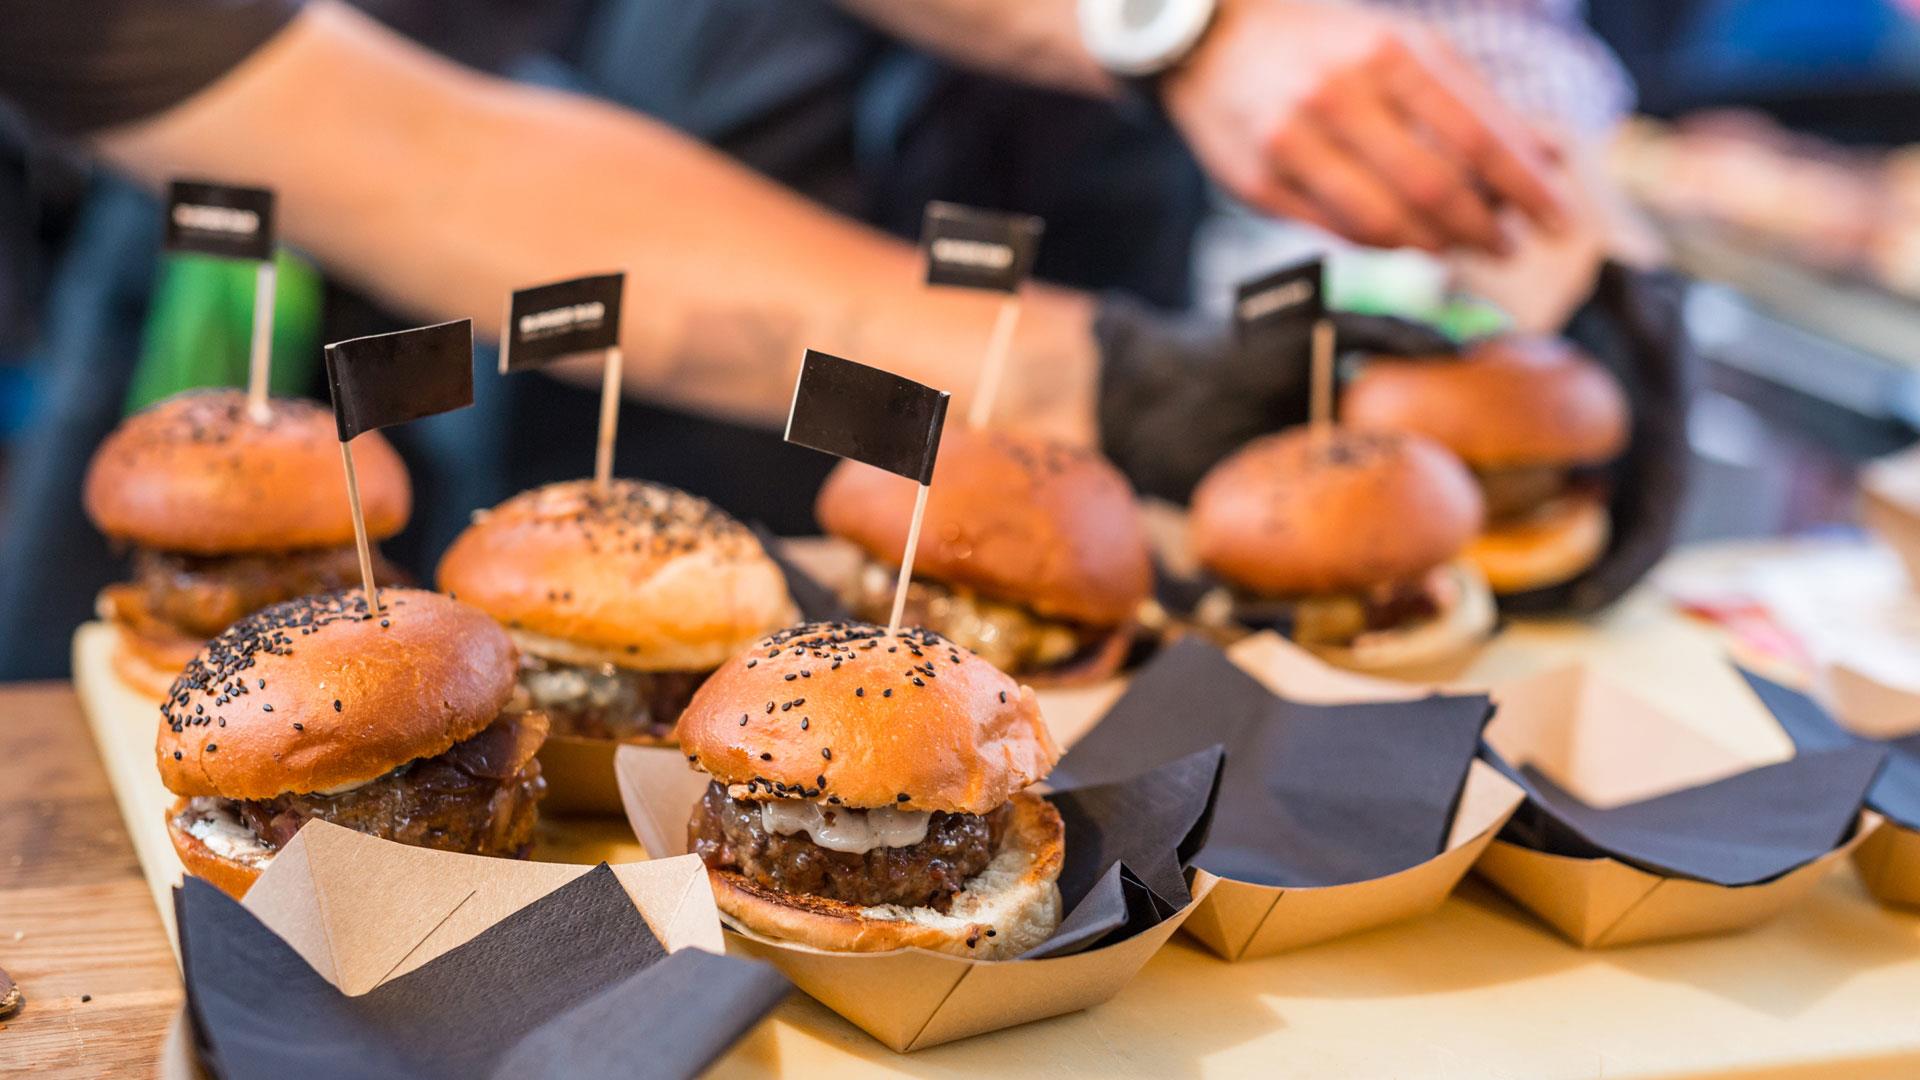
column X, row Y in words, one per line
column 78, row 931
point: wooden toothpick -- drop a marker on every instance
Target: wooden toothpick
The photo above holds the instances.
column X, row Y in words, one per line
column 906, row 560
column 995, row 363
column 609, row 421
column 1321, row 414
column 260, row 362
column 360, row 530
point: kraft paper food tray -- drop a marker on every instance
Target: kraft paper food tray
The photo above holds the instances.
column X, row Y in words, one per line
column 1608, row 747
column 1888, row 860
column 908, row 999
column 1240, row 921
column 363, row 911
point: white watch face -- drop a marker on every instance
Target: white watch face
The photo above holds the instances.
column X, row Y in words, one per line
column 1142, row 37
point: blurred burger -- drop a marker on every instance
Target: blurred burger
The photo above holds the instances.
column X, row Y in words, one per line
column 1352, row 540
column 226, row 515
column 621, row 603
column 869, row 793
column 1532, row 417
column 1032, row 553
column 397, row 725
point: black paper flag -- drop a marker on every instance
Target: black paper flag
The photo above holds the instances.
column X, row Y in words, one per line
column 550, row 322
column 1746, row 829
column 869, row 415
column 390, row 379
column 572, row 985
column 1273, row 321
column 978, row 249
column 1312, row 795
column 1895, row 793
column 217, row 219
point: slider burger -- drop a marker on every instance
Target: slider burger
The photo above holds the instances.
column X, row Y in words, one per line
column 401, row 725
column 1351, row 538
column 226, row 515
column 869, row 793
column 621, row 603
column 1032, row 554
column 1532, row 417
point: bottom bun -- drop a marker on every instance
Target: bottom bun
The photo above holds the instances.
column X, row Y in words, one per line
column 1465, row 620
column 230, row 876
column 150, row 665
column 1552, row 545
column 1005, row 910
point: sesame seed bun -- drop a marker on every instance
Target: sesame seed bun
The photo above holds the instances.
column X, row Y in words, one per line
column 864, row 726
column 1554, row 544
column 423, row 674
column 230, row 876
column 196, row 474
column 1300, row 513
column 645, row 576
column 1036, row 523
column 1005, row 910
column 1511, row 401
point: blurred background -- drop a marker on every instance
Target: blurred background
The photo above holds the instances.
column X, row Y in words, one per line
column 1775, row 145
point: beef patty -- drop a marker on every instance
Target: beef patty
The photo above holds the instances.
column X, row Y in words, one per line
column 727, row 835
column 479, row 797
column 201, row 595
column 608, row 702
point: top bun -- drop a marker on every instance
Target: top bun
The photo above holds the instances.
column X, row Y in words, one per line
column 313, row 694
column 1020, row 519
column 196, row 474
column 842, row 713
column 645, row 576
column 1510, row 401
column 1299, row 513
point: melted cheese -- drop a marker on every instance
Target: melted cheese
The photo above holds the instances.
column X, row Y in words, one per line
column 837, row 828
column 225, row 835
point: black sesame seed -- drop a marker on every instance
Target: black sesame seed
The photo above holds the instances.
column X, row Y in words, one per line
column 859, row 691
column 266, row 708
column 743, row 719
column 902, row 797
column 826, row 752
column 211, row 748
column 384, row 624
column 298, row 726
column 821, row 780
column 789, row 677
column 886, row 693
column 176, row 755
column 766, row 757
column 803, row 723
column 1003, row 696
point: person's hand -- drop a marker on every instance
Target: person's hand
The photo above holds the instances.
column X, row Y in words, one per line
column 1360, row 123
column 1178, row 393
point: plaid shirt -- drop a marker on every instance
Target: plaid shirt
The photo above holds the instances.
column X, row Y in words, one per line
column 1539, row 55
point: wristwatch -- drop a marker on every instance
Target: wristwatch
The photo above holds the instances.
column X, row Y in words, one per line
column 1139, row 40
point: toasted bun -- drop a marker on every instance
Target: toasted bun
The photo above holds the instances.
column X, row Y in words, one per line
column 867, row 723
column 1554, row 544
column 196, row 474
column 1300, row 512
column 1465, row 620
column 1510, row 401
column 644, row 576
column 147, row 665
column 1050, row 527
column 1014, row 897
column 230, row 876
column 426, row 673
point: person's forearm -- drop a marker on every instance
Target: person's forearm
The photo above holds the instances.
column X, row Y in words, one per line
column 439, row 190
column 1036, row 41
